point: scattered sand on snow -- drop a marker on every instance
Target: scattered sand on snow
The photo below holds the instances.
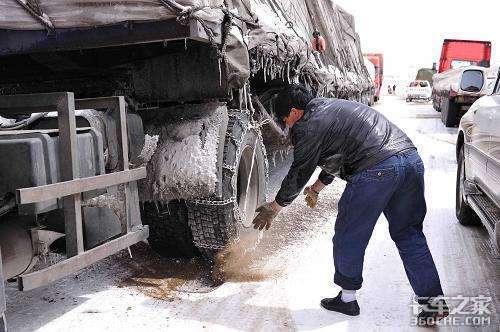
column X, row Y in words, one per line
column 270, row 259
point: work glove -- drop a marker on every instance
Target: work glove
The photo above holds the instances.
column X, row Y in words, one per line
column 311, row 197
column 265, row 217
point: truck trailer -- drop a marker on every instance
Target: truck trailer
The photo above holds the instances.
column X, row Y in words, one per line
column 455, row 90
column 123, row 121
column 378, row 61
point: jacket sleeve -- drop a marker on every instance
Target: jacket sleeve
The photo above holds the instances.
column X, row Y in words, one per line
column 306, row 154
column 326, row 178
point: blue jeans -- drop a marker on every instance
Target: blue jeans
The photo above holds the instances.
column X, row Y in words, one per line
column 395, row 187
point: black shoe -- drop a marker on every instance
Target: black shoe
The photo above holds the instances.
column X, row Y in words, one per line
column 336, row 304
column 432, row 312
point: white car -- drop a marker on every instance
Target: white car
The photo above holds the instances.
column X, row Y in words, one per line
column 478, row 158
column 419, row 90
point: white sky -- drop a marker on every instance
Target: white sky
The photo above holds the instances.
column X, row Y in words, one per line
column 410, row 33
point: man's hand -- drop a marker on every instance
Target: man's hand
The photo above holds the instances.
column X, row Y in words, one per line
column 265, row 217
column 311, row 197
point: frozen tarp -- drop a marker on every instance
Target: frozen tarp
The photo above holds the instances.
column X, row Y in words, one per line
column 340, row 69
column 451, row 79
column 90, row 13
column 279, row 44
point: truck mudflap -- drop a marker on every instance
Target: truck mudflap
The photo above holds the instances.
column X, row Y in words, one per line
column 71, row 187
column 186, row 163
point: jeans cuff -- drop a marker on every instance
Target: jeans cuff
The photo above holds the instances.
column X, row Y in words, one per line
column 347, row 283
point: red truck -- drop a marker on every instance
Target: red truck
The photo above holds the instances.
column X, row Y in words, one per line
column 378, row 61
column 458, row 53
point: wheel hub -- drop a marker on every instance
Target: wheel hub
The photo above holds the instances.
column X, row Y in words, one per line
column 248, row 186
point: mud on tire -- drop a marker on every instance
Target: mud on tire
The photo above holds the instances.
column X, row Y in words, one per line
column 215, row 223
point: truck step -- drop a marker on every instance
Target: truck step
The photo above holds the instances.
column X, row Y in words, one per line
column 486, row 210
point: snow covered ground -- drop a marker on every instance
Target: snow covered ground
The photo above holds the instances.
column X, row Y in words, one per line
column 285, row 278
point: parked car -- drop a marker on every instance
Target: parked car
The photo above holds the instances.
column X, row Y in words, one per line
column 478, row 158
column 419, row 90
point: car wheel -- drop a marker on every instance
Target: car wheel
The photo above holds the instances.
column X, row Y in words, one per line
column 465, row 214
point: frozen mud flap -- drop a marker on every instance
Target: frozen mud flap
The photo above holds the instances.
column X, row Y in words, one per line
column 215, row 223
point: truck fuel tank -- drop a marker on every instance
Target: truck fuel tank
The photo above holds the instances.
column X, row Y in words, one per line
column 17, row 247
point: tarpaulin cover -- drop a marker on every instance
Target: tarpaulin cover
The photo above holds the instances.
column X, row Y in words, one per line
column 451, row 79
column 89, row 13
column 340, row 69
column 280, row 43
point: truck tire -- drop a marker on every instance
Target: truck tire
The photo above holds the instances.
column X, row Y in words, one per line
column 169, row 232
column 464, row 213
column 449, row 113
column 215, row 224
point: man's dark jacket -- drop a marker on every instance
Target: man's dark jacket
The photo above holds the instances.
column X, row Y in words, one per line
column 343, row 138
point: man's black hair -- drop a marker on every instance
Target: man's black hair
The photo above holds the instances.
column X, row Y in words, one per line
column 292, row 96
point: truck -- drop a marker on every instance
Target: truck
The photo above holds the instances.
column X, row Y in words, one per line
column 123, row 121
column 455, row 90
column 426, row 74
column 457, row 53
column 378, row 61
column 370, row 67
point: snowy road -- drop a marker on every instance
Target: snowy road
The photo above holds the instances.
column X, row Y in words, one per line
column 290, row 272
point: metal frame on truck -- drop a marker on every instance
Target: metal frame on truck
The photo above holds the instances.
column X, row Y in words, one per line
column 124, row 33
column 71, row 187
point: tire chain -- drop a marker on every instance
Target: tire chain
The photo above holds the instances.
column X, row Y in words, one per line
column 208, row 206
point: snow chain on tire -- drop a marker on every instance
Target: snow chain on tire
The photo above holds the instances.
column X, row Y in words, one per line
column 212, row 222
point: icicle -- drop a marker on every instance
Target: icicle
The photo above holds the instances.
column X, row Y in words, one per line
column 220, row 72
column 240, row 101
column 246, row 97
column 264, row 70
column 288, row 72
column 129, row 252
column 185, row 44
